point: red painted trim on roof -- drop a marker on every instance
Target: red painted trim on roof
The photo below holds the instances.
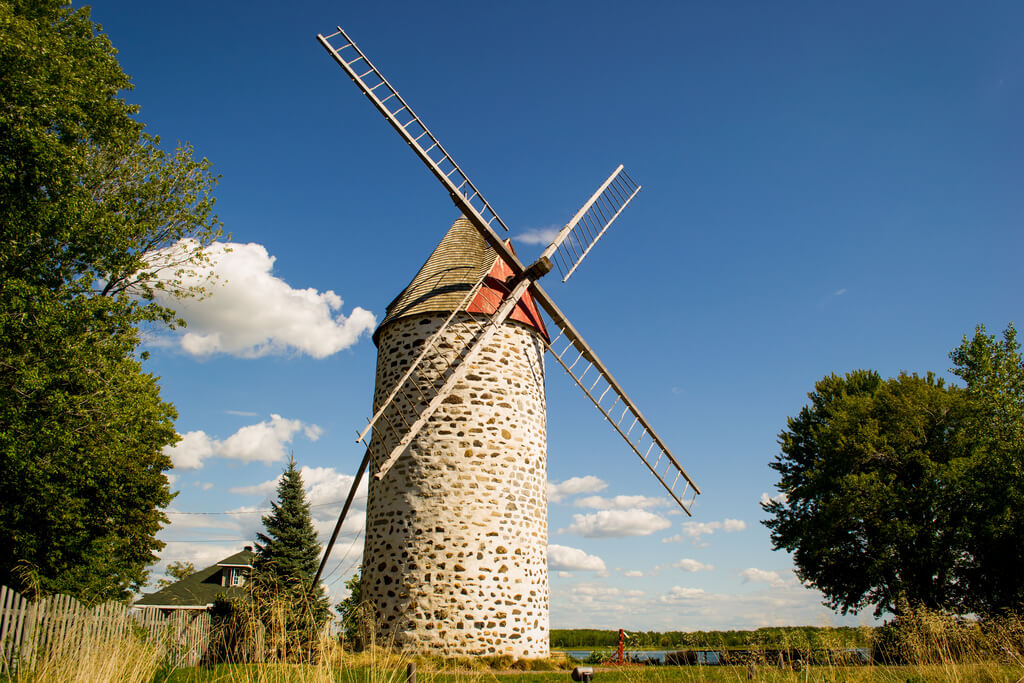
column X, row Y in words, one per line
column 494, row 291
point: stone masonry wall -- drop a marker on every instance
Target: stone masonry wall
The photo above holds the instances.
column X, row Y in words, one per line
column 455, row 559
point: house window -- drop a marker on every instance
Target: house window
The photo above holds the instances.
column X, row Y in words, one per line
column 236, row 577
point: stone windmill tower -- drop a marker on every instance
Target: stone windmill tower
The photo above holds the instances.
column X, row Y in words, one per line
column 455, row 557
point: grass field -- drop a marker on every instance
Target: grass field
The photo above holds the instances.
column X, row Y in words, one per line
column 866, row 674
column 936, row 647
column 122, row 665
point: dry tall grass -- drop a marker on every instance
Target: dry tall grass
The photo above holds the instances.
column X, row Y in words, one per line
column 131, row 659
column 925, row 647
column 942, row 647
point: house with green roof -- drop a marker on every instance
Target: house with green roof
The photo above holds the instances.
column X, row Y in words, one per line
column 198, row 591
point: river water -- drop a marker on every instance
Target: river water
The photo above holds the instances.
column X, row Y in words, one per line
column 708, row 657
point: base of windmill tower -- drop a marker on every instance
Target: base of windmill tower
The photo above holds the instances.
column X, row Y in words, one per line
column 446, row 640
column 455, row 557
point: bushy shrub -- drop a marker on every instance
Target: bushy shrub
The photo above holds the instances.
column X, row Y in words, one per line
column 923, row 636
column 598, row 657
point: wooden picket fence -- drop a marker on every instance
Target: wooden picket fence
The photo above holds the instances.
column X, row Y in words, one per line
column 59, row 626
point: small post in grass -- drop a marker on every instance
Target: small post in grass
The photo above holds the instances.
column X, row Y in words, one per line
column 410, row 673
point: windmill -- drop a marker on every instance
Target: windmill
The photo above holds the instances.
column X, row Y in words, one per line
column 455, row 557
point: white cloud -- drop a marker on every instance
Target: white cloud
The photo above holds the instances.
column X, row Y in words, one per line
column 249, row 312
column 839, row 292
column 201, row 555
column 619, row 502
column 678, row 594
column 753, row 575
column 690, row 565
column 633, row 573
column 324, row 485
column 600, row 596
column 265, row 442
column 574, row 485
column 265, row 489
column 780, row 498
column 616, row 523
column 355, row 522
column 696, row 531
column 691, row 608
column 544, row 236
column 326, row 489
column 573, row 559
column 184, row 520
column 191, row 450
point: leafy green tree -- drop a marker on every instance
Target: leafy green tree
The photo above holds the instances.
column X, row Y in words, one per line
column 286, row 558
column 177, row 571
column 350, row 608
column 992, row 484
column 907, row 494
column 94, row 217
column 866, row 469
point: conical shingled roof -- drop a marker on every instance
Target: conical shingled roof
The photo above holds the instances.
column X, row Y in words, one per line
column 443, row 282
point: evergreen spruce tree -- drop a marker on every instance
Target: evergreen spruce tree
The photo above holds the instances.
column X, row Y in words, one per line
column 286, row 558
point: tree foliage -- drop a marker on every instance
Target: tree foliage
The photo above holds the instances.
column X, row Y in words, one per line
column 903, row 492
column 287, row 557
column 991, row 579
column 177, row 571
column 94, row 216
column 351, row 608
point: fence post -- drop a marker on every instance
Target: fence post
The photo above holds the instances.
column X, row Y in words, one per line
column 6, row 628
column 410, row 673
column 27, row 655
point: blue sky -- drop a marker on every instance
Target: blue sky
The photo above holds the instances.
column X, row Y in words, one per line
column 826, row 187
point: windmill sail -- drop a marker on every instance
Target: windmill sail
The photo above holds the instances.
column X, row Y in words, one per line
column 569, row 348
column 573, row 242
column 404, row 120
column 586, row 369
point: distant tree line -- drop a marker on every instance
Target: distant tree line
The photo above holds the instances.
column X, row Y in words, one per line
column 786, row 636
